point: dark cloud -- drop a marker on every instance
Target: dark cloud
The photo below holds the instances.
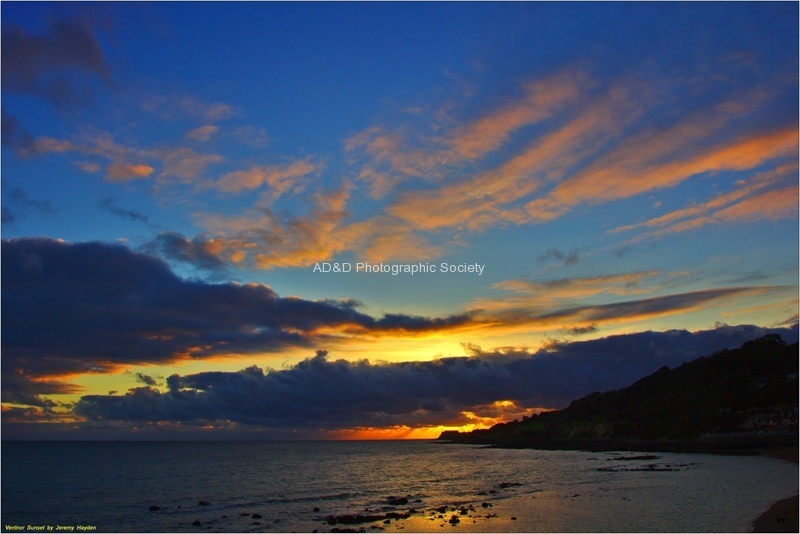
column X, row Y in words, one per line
column 17, row 202
column 146, row 379
column 18, row 389
column 59, row 66
column 90, row 307
column 15, row 415
column 411, row 323
column 789, row 321
column 321, row 393
column 566, row 258
column 623, row 251
column 17, row 137
column 108, row 205
column 748, row 277
column 198, row 252
column 580, row 330
column 650, row 306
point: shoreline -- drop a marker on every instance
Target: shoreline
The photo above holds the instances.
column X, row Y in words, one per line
column 728, row 445
column 783, row 515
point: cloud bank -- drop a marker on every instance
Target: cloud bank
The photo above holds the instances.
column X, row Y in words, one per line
column 325, row 394
column 92, row 307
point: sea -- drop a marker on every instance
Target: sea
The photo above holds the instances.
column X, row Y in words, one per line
column 378, row 486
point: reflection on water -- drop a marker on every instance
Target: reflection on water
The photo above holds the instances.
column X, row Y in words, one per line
column 302, row 486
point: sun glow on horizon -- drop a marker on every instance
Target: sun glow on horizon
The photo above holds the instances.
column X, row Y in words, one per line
column 509, row 409
column 401, row 432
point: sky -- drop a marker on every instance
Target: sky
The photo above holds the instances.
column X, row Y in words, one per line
column 383, row 220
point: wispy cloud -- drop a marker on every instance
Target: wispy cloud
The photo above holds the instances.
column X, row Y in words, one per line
column 565, row 258
column 771, row 206
column 768, row 195
column 188, row 106
column 540, row 100
column 573, row 288
column 393, row 157
column 184, row 163
column 266, row 239
column 251, row 136
column 388, row 240
column 581, row 303
column 628, row 172
column 202, row 133
column 593, row 143
column 110, row 206
column 651, row 307
column 17, row 202
column 130, row 162
column 279, row 179
column 498, row 196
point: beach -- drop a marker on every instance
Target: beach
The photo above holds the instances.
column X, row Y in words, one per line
column 783, row 515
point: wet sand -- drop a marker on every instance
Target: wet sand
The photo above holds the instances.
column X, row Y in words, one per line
column 783, row 515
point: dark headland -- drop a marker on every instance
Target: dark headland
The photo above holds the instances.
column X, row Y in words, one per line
column 740, row 401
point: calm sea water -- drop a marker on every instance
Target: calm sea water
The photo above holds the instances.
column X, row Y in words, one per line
column 112, row 485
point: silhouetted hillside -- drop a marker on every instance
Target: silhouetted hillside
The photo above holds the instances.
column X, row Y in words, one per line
column 733, row 399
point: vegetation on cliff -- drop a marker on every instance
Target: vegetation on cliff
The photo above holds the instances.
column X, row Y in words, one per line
column 733, row 394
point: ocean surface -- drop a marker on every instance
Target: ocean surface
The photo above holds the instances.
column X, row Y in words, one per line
column 308, row 486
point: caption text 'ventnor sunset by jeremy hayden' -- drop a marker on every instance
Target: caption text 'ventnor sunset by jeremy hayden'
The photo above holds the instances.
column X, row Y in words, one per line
column 50, row 528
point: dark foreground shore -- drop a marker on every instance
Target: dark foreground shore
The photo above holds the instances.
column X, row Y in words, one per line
column 783, row 515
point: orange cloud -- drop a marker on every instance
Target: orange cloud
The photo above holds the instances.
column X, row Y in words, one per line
column 575, row 155
column 271, row 241
column 95, row 143
column 124, row 172
column 772, row 205
column 185, row 163
column 571, row 288
column 181, row 162
column 626, row 172
column 747, row 203
column 395, row 156
column 541, row 99
column 491, row 198
column 279, row 178
column 397, row 242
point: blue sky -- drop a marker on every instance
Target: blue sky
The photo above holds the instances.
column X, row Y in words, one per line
column 617, row 169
